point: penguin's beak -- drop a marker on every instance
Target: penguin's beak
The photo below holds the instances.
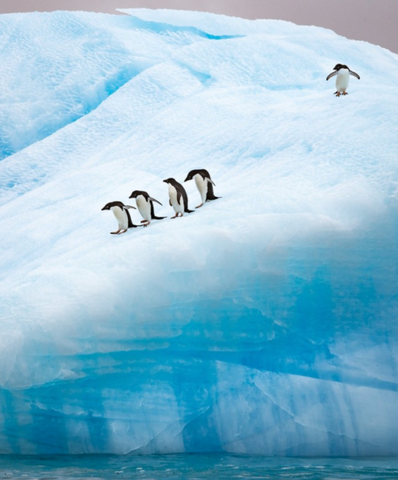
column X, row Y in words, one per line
column 187, row 178
column 165, row 181
column 104, row 208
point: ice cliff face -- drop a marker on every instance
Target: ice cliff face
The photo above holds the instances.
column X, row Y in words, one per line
column 266, row 321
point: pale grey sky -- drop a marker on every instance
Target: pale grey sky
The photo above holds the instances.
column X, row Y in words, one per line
column 372, row 20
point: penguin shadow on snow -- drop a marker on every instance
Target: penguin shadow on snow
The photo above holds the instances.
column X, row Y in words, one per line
column 178, row 200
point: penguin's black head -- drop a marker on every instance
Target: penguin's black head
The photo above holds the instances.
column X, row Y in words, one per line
column 339, row 66
column 191, row 174
column 109, row 205
column 137, row 193
column 169, row 180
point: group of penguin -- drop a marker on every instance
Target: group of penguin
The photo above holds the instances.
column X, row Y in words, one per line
column 178, row 199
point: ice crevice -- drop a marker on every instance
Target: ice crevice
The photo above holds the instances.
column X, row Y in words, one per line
column 174, row 433
column 169, row 28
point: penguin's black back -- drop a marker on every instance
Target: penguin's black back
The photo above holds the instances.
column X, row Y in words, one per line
column 181, row 192
column 202, row 172
column 205, row 174
column 130, row 223
column 153, row 216
column 210, row 192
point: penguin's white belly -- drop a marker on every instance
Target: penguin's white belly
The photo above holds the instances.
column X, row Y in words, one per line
column 201, row 185
column 178, row 207
column 342, row 80
column 144, row 207
column 121, row 217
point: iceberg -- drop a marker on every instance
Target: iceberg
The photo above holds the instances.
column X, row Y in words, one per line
column 263, row 323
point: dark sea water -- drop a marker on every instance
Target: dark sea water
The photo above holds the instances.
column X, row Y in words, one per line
column 195, row 467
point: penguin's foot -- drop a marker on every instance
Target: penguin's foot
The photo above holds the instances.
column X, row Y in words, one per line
column 337, row 94
column 201, row 205
column 175, row 216
column 345, row 93
column 122, row 231
column 115, row 233
column 146, row 224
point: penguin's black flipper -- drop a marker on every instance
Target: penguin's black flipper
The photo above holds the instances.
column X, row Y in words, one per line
column 182, row 192
column 210, row 192
column 154, row 200
column 158, row 218
column 332, row 74
column 354, row 74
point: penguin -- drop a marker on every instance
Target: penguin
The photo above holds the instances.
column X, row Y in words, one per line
column 178, row 197
column 343, row 78
column 145, row 206
column 204, row 184
column 122, row 216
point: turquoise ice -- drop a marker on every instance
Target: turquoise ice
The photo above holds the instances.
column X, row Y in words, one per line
column 263, row 323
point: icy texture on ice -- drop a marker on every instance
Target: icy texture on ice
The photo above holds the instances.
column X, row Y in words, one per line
column 58, row 67
column 266, row 321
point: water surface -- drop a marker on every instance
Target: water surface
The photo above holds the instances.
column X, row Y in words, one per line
column 212, row 466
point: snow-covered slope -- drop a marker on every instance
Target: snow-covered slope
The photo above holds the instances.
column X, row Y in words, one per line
column 266, row 321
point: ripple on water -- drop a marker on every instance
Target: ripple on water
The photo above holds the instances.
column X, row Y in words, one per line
column 195, row 467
